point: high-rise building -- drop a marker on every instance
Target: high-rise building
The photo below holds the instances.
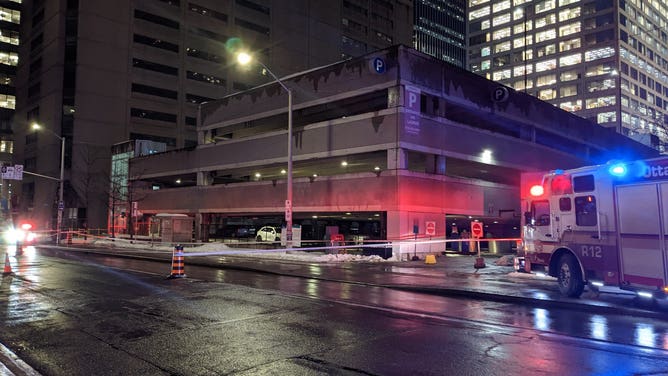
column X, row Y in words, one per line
column 10, row 18
column 606, row 61
column 97, row 73
column 440, row 29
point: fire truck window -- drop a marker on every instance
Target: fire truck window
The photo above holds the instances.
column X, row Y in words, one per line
column 585, row 211
column 565, row 204
column 540, row 211
column 583, row 183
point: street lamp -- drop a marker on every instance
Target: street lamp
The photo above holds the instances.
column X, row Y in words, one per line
column 244, row 59
column 59, row 220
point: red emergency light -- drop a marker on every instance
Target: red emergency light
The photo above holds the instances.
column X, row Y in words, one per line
column 537, row 190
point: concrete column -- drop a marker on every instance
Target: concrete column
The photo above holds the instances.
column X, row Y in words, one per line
column 198, row 227
column 440, row 164
column 397, row 159
column 204, row 178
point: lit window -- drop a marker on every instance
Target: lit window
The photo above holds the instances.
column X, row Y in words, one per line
column 500, row 20
column 501, row 33
column 606, row 117
column 568, row 76
column 485, row 24
column 546, row 50
column 503, row 5
column 521, row 70
column 519, row 29
column 501, row 47
column 545, row 21
column 520, row 2
column 485, row 64
column 567, row 91
column 546, row 65
column 501, row 75
column 549, row 79
column 601, row 85
column 571, row 105
column 600, row 102
column 520, row 42
column 544, row 6
column 9, row 58
column 567, row 14
column 520, row 85
column 568, row 45
column 518, row 13
column 599, row 53
column 478, row 13
column 547, row 94
column 566, row 2
column 598, row 69
column 546, row 35
column 569, row 29
column 473, row 3
column 570, row 60
column 7, row 101
column 485, row 51
column 9, row 15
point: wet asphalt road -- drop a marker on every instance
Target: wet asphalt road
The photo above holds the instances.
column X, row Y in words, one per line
column 75, row 314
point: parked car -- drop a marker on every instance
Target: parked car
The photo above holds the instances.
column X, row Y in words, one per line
column 268, row 234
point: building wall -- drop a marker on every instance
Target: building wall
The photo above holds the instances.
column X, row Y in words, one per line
column 427, row 144
column 139, row 70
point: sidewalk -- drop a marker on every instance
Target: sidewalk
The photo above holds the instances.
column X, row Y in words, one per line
column 452, row 275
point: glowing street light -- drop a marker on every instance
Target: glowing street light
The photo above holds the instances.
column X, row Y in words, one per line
column 61, row 205
column 244, row 58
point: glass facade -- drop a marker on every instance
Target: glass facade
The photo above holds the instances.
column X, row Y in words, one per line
column 440, row 27
column 606, row 61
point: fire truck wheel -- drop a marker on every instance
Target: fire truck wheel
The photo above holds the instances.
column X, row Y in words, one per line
column 569, row 277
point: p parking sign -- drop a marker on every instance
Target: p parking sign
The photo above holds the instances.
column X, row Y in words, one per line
column 378, row 65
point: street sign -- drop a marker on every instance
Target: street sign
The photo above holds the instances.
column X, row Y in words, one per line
column 476, row 230
column 12, row 172
column 61, row 206
column 430, row 228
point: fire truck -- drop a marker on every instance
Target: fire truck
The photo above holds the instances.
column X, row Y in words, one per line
column 603, row 225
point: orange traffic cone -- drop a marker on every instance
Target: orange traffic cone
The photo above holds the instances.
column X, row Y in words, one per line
column 8, row 265
column 178, row 267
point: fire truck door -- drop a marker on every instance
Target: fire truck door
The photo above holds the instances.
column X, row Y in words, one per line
column 642, row 211
column 542, row 221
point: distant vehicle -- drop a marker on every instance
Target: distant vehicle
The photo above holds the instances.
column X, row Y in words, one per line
column 268, row 234
column 21, row 235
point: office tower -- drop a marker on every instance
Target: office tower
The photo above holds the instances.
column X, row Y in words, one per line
column 606, row 61
column 98, row 73
column 440, row 29
column 10, row 18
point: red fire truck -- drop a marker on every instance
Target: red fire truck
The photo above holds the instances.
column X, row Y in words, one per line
column 599, row 225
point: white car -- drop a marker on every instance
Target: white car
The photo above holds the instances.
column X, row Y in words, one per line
column 268, row 234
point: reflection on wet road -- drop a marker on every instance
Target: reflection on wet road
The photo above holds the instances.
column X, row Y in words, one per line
column 621, row 329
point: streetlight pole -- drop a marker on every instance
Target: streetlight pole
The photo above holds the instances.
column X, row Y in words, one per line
column 59, row 220
column 243, row 59
column 61, row 207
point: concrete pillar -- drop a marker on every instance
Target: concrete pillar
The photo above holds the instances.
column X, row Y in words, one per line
column 204, row 178
column 440, row 164
column 198, row 227
column 397, row 159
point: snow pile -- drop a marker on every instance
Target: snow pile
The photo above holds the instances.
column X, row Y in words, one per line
column 222, row 249
column 506, row 260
